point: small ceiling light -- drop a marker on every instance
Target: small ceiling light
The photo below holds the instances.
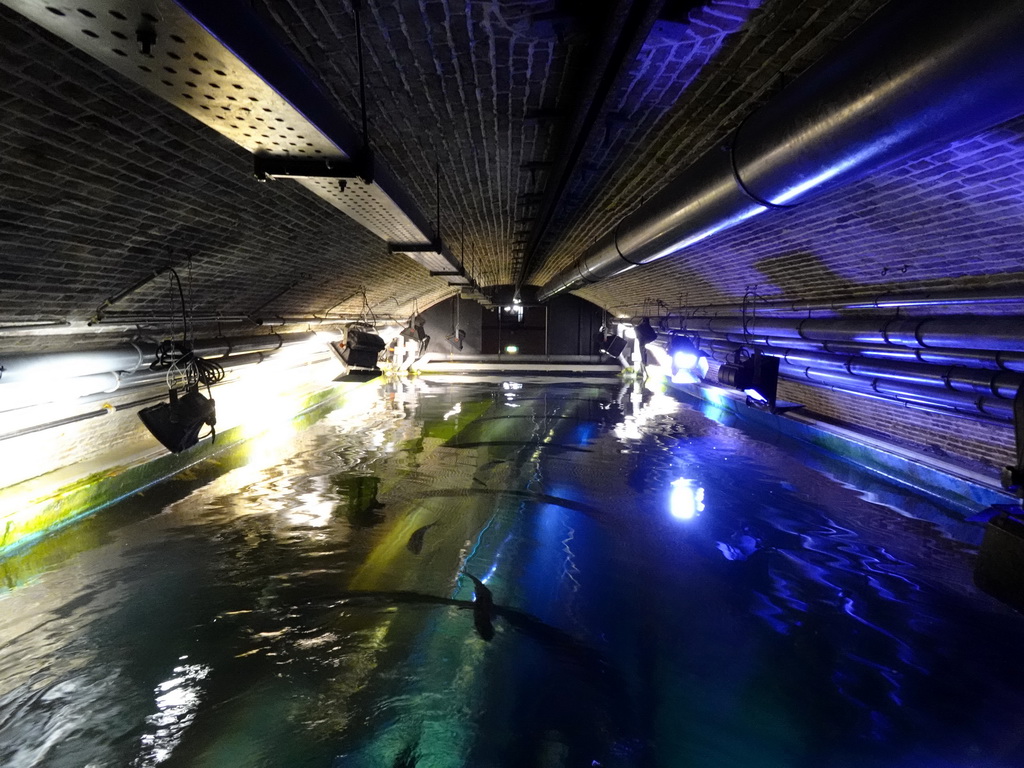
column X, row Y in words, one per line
column 512, row 349
column 178, row 422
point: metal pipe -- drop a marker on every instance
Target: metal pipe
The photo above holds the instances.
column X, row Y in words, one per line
column 1002, row 385
column 958, row 402
column 141, row 318
column 34, row 325
column 887, row 300
column 125, row 357
column 65, row 365
column 30, row 393
column 917, row 76
column 973, row 358
column 68, row 420
column 128, row 383
column 961, row 378
column 994, row 333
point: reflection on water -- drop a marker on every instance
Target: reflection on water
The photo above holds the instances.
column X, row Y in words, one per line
column 513, row 573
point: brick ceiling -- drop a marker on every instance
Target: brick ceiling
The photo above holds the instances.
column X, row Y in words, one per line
column 103, row 183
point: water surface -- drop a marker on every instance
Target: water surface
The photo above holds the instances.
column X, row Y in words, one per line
column 668, row 591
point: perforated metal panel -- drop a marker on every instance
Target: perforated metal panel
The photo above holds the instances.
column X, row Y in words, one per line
column 187, row 66
column 432, row 260
column 370, row 206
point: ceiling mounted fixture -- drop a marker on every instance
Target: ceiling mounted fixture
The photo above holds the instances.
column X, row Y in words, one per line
column 219, row 63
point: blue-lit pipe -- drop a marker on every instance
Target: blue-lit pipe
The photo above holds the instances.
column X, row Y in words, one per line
column 995, row 333
column 919, row 75
column 968, row 358
column 960, row 403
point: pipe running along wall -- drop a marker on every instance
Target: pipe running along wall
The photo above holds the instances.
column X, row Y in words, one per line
column 993, row 333
column 887, row 300
column 962, row 390
column 906, row 367
column 127, row 358
column 917, row 76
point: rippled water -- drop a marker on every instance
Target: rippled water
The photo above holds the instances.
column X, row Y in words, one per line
column 667, row 590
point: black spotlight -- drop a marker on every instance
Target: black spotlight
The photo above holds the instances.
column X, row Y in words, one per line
column 645, row 332
column 359, row 352
column 612, row 345
column 177, row 423
column 758, row 376
column 416, row 331
column 457, row 339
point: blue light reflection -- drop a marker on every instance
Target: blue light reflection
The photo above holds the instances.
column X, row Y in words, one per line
column 687, row 499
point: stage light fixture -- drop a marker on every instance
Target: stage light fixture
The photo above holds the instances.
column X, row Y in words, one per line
column 757, row 376
column 359, row 353
column 689, row 364
column 645, row 332
column 613, row 345
column 178, row 422
column 416, row 332
column 457, row 339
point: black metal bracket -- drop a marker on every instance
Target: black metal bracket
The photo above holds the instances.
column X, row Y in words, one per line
column 270, row 167
column 434, row 247
column 1013, row 477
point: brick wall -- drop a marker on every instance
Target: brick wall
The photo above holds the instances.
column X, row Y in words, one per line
column 984, row 446
column 103, row 183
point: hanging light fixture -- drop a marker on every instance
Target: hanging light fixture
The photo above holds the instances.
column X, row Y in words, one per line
column 757, row 376
column 359, row 352
column 178, row 422
column 689, row 363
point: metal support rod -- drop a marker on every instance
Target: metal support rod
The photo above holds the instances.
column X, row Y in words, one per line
column 357, row 8
column 274, row 298
column 112, row 300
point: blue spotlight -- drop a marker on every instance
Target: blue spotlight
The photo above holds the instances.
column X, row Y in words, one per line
column 689, row 364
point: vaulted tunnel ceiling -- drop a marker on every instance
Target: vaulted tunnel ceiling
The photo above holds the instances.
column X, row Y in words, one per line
column 104, row 183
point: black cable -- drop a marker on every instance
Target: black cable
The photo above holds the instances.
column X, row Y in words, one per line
column 208, row 372
column 184, row 315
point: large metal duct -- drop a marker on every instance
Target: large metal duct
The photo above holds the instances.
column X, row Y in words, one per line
column 918, row 75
